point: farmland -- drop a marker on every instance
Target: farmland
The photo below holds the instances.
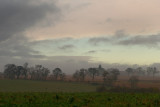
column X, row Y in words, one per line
column 70, row 94
column 80, row 99
column 17, row 85
column 44, row 86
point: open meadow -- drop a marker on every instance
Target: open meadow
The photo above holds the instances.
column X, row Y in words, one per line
column 69, row 94
column 44, row 86
column 89, row 99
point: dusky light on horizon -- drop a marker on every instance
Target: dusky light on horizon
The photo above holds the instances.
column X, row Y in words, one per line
column 80, row 33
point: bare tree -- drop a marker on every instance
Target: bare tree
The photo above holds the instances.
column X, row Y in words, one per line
column 155, row 71
column 149, row 70
column 10, row 71
column 45, row 72
column 152, row 71
column 93, row 72
column 82, row 74
column 76, row 75
column 140, row 71
column 105, row 75
column 129, row 71
column 19, row 71
column 111, row 76
column 56, row 72
column 114, row 73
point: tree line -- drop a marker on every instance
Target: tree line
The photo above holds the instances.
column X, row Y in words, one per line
column 39, row 72
column 109, row 75
column 141, row 72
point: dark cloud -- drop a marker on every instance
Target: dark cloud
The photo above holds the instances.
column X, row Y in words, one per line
column 66, row 47
column 18, row 47
column 17, row 16
column 91, row 52
column 121, row 38
column 97, row 40
column 120, row 34
column 149, row 41
column 96, row 51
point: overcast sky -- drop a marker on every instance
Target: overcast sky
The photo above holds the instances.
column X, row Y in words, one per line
column 79, row 33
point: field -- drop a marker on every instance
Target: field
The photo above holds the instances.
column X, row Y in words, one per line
column 70, row 94
column 45, row 99
column 44, row 86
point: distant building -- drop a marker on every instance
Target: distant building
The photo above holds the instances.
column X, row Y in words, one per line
column 101, row 69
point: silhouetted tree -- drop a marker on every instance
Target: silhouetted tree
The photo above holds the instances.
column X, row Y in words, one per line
column 152, row 71
column 10, row 71
column 129, row 71
column 93, row 72
column 114, row 72
column 56, row 72
column 149, row 70
column 82, row 74
column 19, row 71
column 140, row 71
column 32, row 73
column 76, row 75
column 38, row 72
column 155, row 71
column 111, row 76
column 105, row 75
column 45, row 72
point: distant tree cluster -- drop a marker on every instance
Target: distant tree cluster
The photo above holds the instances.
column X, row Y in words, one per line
column 13, row 71
column 141, row 72
column 134, row 73
column 109, row 76
column 37, row 72
column 80, row 75
column 57, row 73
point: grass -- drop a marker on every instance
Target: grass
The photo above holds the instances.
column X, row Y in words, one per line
column 45, row 99
column 28, row 93
column 44, row 86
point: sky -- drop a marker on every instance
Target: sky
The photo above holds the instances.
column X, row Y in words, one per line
column 72, row 34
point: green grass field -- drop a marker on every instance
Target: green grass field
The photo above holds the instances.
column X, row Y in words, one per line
column 44, row 99
column 28, row 93
column 44, row 86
